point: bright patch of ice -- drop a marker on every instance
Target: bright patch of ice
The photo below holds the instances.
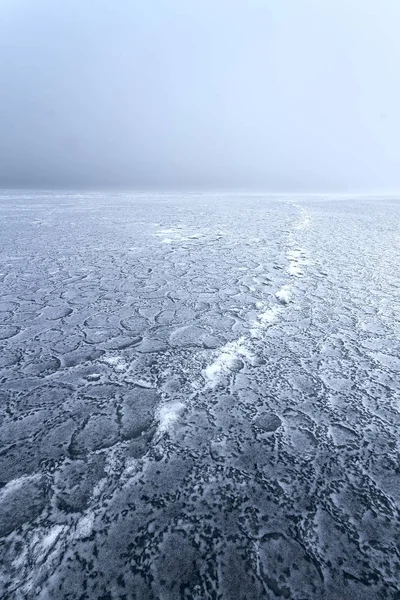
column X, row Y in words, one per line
column 226, row 359
column 297, row 259
column 269, row 316
column 265, row 319
column 117, row 362
column 284, row 295
column 48, row 541
column 168, row 414
column 303, row 222
column 143, row 383
column 20, row 561
column 294, row 269
column 177, row 234
column 100, row 486
column 84, row 527
column 15, row 484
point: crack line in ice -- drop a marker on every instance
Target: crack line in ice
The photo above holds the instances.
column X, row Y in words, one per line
column 231, row 352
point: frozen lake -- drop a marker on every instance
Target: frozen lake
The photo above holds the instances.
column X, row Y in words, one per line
column 200, row 397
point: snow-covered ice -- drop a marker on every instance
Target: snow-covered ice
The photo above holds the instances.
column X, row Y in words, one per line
column 199, row 396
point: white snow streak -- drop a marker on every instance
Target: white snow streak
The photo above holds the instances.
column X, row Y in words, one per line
column 226, row 359
column 265, row 319
column 230, row 353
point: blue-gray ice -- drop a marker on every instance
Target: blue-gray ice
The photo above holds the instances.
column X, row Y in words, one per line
column 199, row 397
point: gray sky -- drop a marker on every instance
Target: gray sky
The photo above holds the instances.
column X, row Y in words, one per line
column 271, row 94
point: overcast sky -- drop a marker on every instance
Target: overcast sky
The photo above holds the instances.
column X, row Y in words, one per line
column 268, row 94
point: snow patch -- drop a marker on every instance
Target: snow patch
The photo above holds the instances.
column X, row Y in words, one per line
column 225, row 361
column 117, row 362
column 284, row 295
column 15, row 484
column 84, row 527
column 297, row 259
column 176, row 234
column 269, row 316
column 168, row 414
column 295, row 269
column 303, row 222
column 143, row 383
column 265, row 319
column 48, row 541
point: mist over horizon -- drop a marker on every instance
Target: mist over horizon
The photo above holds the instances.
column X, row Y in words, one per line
column 170, row 95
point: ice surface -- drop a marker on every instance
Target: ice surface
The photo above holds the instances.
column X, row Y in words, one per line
column 200, row 396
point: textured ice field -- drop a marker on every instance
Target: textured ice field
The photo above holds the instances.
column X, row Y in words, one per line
column 199, row 397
